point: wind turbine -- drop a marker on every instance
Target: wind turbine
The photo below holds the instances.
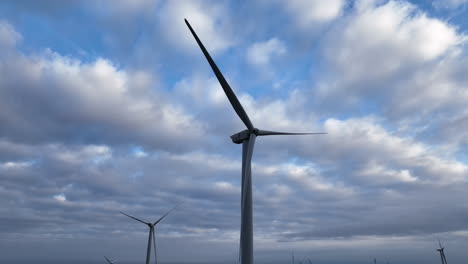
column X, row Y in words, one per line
column 247, row 138
column 152, row 235
column 110, row 262
column 442, row 254
column 300, row 262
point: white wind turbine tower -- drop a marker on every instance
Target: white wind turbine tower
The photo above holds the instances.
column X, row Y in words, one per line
column 247, row 139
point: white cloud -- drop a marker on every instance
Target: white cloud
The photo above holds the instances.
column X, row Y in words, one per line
column 60, row 197
column 202, row 91
column 309, row 12
column 393, row 36
column 13, row 165
column 8, row 36
column 208, row 19
column 310, row 179
column 89, row 153
column 388, row 157
column 262, row 53
column 225, row 187
column 381, row 173
column 279, row 115
column 393, row 58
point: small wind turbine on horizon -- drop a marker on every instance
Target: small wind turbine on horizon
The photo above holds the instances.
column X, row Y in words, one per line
column 247, row 138
column 110, row 262
column 152, row 235
column 442, row 254
column 300, row 262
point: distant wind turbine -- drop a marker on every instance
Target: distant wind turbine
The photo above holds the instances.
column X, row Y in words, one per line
column 442, row 254
column 110, row 262
column 152, row 236
column 247, row 138
column 303, row 259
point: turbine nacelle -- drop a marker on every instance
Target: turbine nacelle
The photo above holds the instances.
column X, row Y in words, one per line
column 238, row 138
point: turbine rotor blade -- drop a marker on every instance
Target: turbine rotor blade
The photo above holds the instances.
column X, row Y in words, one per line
column 271, row 133
column 135, row 218
column 224, row 84
column 154, row 245
column 162, row 217
column 108, row 260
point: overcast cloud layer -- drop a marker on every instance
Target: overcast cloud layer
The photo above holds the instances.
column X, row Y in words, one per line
column 109, row 106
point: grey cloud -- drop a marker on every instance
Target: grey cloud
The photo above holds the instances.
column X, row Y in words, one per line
column 52, row 98
column 421, row 216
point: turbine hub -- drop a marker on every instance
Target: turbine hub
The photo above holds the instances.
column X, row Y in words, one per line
column 238, row 138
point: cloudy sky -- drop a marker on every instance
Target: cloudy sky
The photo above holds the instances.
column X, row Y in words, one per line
column 109, row 105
